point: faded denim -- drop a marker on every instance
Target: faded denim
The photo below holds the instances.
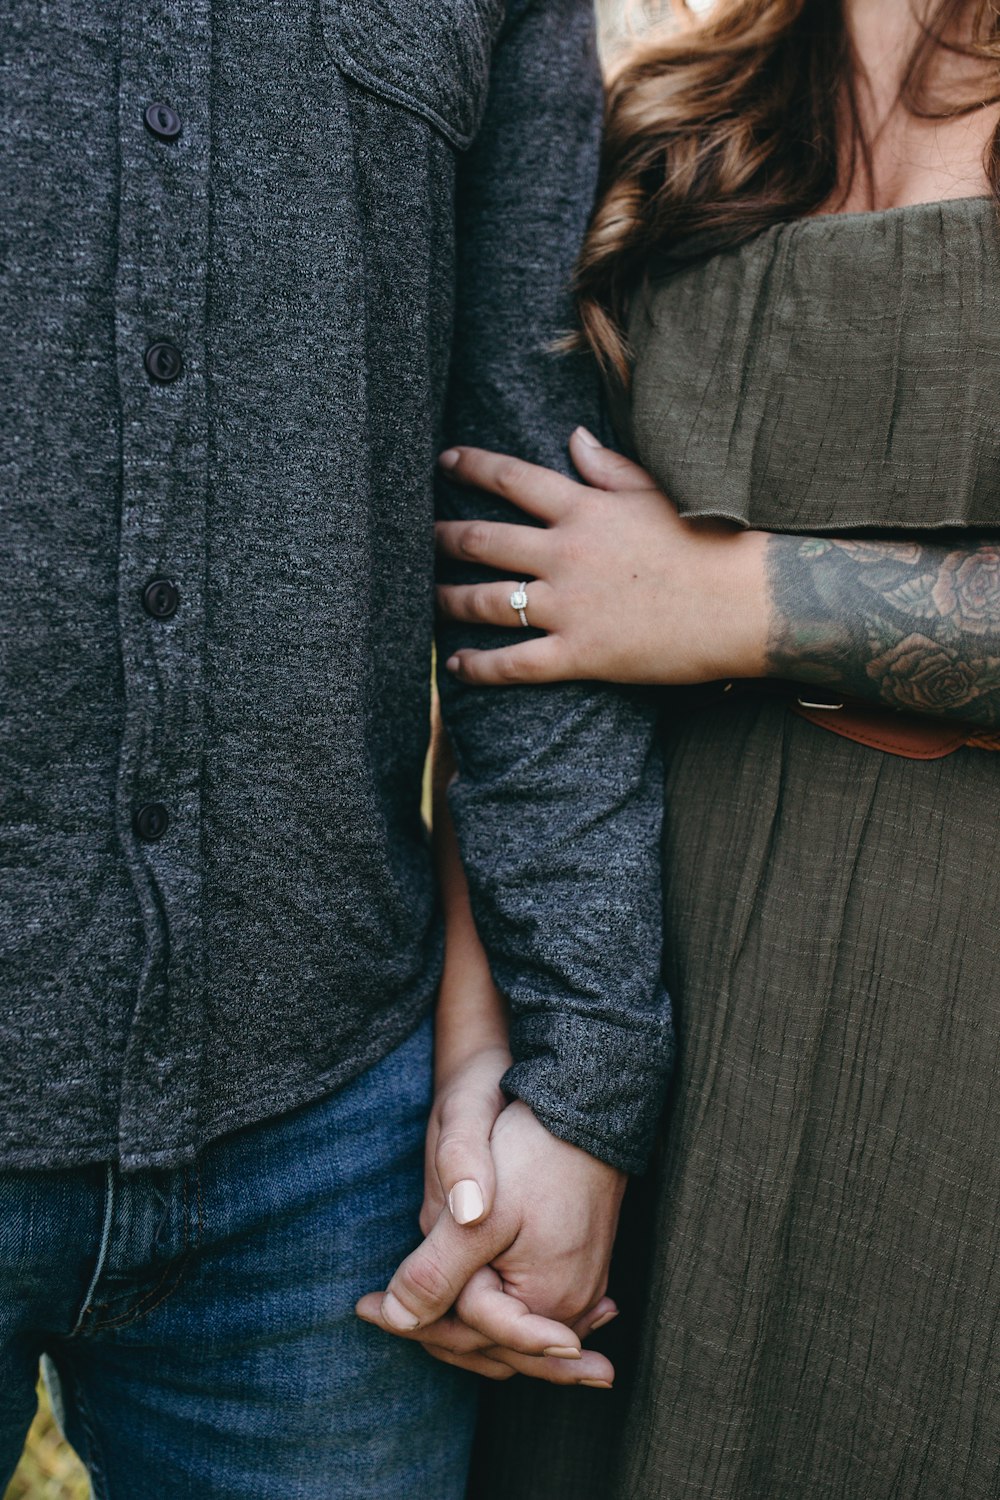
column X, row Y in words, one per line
column 198, row 1322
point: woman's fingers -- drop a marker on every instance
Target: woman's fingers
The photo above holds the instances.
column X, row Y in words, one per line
column 541, row 659
column 593, row 1370
column 605, row 469
column 476, row 1364
column 504, row 1320
column 599, row 1316
column 489, row 603
column 495, row 544
column 448, row 1332
column 462, row 1157
column 541, row 492
column 509, row 1339
column 501, row 1319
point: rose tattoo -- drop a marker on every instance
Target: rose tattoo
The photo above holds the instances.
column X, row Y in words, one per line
column 911, row 625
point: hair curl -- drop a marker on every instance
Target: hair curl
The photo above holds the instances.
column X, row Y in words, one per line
column 723, row 124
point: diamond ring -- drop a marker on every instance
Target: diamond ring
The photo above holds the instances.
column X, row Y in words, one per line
column 519, row 602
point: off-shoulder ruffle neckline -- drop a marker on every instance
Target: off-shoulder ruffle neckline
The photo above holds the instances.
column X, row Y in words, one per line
column 930, row 207
column 835, row 372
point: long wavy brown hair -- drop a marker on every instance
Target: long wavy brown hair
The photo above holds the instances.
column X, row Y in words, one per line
column 720, row 125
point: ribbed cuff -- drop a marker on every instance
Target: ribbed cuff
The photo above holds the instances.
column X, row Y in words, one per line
column 599, row 1084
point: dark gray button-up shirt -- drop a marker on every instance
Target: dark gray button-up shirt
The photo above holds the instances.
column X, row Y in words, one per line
column 238, row 239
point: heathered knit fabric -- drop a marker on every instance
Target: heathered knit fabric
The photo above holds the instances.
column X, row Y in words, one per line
column 298, row 243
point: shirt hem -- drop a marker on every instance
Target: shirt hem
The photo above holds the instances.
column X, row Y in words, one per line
column 269, row 1105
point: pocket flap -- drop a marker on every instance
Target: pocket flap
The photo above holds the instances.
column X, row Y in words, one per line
column 430, row 56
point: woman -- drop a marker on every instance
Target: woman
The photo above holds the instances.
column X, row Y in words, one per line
column 795, row 266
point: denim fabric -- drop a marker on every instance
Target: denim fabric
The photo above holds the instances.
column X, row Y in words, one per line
column 198, row 1322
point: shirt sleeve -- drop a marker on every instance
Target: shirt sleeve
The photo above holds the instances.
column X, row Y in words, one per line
column 558, row 801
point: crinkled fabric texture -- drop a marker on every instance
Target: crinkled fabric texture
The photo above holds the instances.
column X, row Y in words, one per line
column 779, row 387
column 310, row 242
column 819, row 1315
column 810, row 1285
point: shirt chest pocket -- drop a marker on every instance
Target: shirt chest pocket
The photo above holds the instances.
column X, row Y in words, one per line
column 432, row 57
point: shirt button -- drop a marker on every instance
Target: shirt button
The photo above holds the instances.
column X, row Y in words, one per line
column 151, row 822
column 163, row 122
column 163, row 363
column 160, row 598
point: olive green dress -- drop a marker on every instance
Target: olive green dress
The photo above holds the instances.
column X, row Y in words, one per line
column 811, row 1274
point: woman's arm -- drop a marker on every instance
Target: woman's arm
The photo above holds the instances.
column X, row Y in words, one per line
column 471, row 1052
column 629, row 591
column 911, row 625
column 555, row 1257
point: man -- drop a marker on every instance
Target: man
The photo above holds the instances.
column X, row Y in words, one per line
column 229, row 292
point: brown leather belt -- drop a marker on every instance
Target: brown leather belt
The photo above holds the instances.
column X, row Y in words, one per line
column 909, row 735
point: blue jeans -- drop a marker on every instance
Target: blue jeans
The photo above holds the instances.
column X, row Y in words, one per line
column 198, row 1326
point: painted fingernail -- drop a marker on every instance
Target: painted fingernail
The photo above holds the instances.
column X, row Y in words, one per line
column 609, row 1317
column 449, row 458
column 466, row 1200
column 563, row 1351
column 397, row 1316
column 586, row 436
column 597, row 1385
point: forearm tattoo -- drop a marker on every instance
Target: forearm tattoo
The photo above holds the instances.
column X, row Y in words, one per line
column 912, row 626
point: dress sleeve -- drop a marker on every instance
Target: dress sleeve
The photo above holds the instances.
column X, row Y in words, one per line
column 558, row 801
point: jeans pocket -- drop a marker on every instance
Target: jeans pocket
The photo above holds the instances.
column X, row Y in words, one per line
column 431, row 57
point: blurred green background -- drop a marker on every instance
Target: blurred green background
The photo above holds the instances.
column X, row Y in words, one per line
column 49, row 1469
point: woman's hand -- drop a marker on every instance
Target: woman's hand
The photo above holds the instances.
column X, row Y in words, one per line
column 629, row 591
column 520, row 1290
column 495, row 1328
column 496, row 1184
column 458, row 1170
column 626, row 589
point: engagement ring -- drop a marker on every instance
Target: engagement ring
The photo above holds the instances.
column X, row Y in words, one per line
column 519, row 602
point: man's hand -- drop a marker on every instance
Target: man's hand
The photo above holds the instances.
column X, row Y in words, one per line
column 517, row 1291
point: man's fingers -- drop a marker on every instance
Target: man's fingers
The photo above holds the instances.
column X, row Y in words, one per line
column 540, row 492
column 427, row 1284
column 489, row 603
column 448, row 1332
column 432, row 1208
column 542, row 659
column 605, row 469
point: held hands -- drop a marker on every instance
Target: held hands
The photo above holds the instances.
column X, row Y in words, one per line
column 516, row 1291
column 519, row 1225
column 626, row 589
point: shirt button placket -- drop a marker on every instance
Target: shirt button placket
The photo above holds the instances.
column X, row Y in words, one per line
column 164, row 109
column 164, row 364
